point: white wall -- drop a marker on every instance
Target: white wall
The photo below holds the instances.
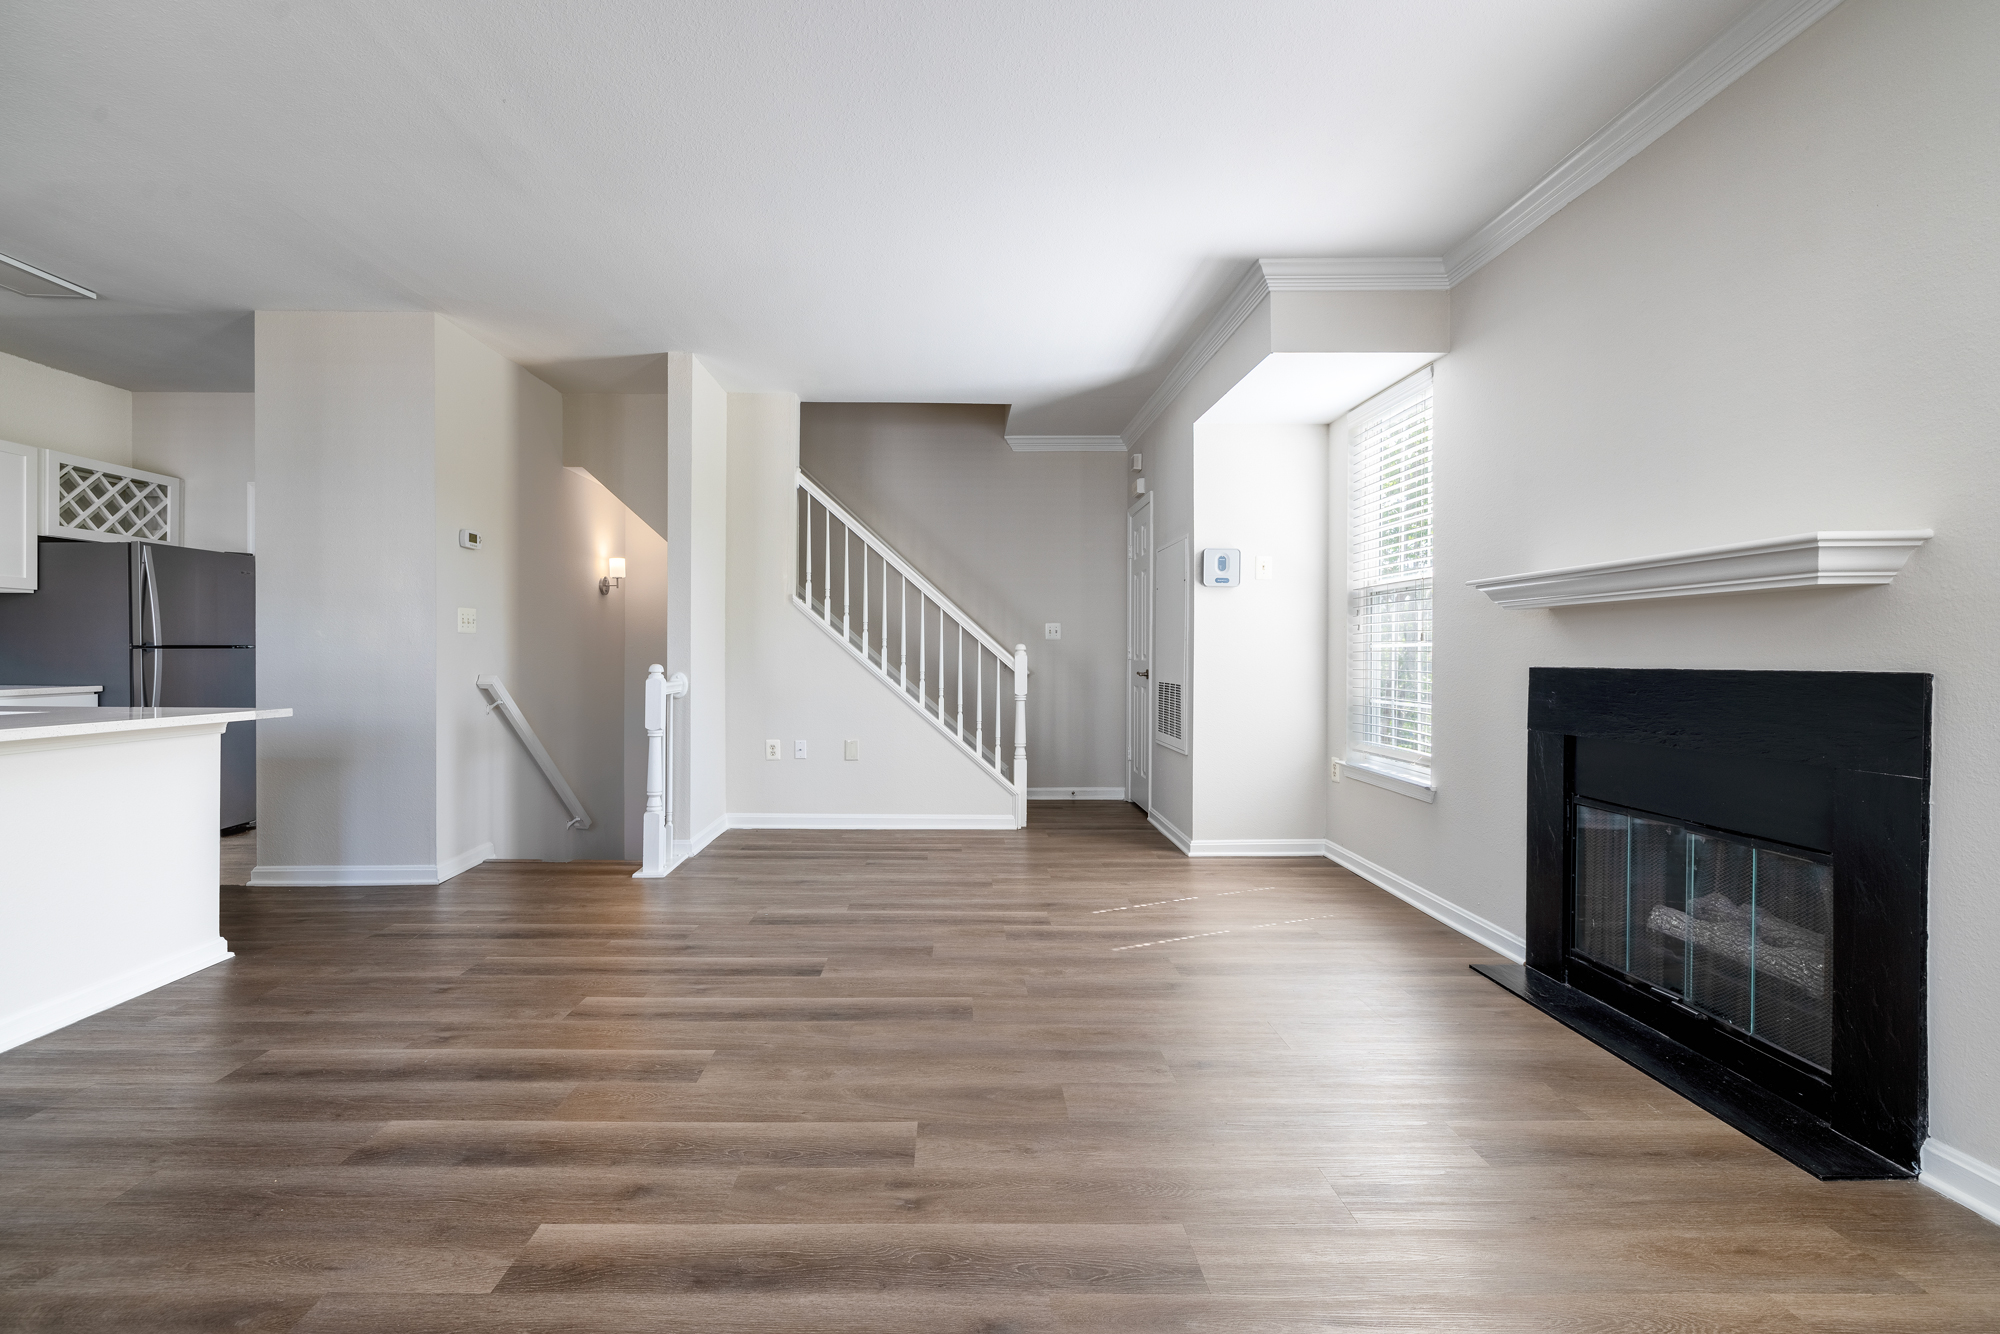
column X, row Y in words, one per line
column 52, row 409
column 789, row 680
column 1778, row 318
column 209, row 441
column 347, row 607
column 1015, row 539
column 1259, row 663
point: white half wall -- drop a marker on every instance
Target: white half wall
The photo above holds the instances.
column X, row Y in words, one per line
column 790, row 681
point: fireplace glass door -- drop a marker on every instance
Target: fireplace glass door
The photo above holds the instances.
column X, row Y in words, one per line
column 1738, row 930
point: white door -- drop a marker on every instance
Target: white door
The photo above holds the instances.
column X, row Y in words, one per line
column 1139, row 653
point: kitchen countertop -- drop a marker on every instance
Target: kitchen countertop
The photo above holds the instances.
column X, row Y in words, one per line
column 9, row 692
column 44, row 723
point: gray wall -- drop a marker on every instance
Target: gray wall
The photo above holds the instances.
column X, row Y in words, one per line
column 1016, row 539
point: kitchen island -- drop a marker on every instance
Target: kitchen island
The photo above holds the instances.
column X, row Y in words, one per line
column 109, row 862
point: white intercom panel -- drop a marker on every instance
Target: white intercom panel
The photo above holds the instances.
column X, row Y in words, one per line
column 1221, row 567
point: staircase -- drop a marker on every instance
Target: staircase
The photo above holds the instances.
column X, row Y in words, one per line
column 913, row 638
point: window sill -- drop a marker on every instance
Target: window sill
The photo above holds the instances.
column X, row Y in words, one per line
column 1407, row 779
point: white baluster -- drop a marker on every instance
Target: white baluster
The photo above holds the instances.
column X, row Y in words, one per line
column 846, row 563
column 979, row 701
column 826, row 600
column 958, row 665
column 903, row 629
column 999, row 712
column 923, row 658
column 809, row 548
column 864, row 601
column 1020, row 736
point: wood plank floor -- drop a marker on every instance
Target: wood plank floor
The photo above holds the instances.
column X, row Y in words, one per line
column 1047, row 1082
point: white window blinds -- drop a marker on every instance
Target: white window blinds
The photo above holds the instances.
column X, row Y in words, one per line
column 1389, row 575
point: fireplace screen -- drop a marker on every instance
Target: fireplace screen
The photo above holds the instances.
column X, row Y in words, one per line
column 1737, row 930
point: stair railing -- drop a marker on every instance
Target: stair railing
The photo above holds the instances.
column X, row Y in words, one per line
column 496, row 690
column 844, row 568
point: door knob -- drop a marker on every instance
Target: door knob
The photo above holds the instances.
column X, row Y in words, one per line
column 1146, row 673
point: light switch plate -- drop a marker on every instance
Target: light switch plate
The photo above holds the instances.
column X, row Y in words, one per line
column 1263, row 567
column 468, row 620
column 1052, row 630
column 853, row 749
column 1135, row 463
column 773, row 749
column 798, row 750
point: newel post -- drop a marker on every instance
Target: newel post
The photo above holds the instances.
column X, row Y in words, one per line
column 657, row 825
column 1020, row 736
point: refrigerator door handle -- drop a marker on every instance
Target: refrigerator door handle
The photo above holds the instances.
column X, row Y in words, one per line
column 149, row 589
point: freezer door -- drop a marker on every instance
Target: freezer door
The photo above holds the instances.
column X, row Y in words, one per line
column 193, row 597
column 73, row 631
column 180, row 678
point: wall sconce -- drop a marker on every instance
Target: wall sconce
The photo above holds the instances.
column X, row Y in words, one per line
column 615, row 574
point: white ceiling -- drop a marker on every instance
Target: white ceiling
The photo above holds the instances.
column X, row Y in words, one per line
column 1007, row 201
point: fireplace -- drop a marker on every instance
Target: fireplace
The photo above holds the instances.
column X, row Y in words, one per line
column 1726, row 887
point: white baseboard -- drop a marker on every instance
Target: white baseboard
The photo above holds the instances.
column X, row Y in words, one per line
column 787, row 820
column 1959, row 1176
column 463, row 862
column 1257, row 847
column 413, row 873
column 685, row 848
column 1472, row 925
column 48, row 1016
column 1076, row 794
column 1173, row 833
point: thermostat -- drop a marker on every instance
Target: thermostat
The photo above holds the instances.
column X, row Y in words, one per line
column 470, row 539
column 1220, row 567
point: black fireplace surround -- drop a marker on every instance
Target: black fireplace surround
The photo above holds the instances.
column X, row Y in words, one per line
column 1657, row 802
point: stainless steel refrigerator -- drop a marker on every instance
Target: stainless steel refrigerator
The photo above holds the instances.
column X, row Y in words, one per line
column 155, row 625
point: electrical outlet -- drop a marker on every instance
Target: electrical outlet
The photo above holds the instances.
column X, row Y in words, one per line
column 1263, row 567
column 1052, row 630
column 853, row 749
column 468, row 620
column 1139, row 487
column 773, row 749
column 798, row 750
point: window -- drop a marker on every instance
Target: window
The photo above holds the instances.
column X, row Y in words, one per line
column 1389, row 587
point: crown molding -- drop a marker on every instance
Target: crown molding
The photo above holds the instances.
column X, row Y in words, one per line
column 1722, row 62
column 1354, row 275
column 1226, row 321
column 1066, row 444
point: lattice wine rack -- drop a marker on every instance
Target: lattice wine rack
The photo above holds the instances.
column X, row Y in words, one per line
column 106, row 503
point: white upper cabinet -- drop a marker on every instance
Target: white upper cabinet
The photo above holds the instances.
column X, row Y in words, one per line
column 20, row 487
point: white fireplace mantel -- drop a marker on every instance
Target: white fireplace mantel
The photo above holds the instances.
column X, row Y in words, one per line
column 1804, row 560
